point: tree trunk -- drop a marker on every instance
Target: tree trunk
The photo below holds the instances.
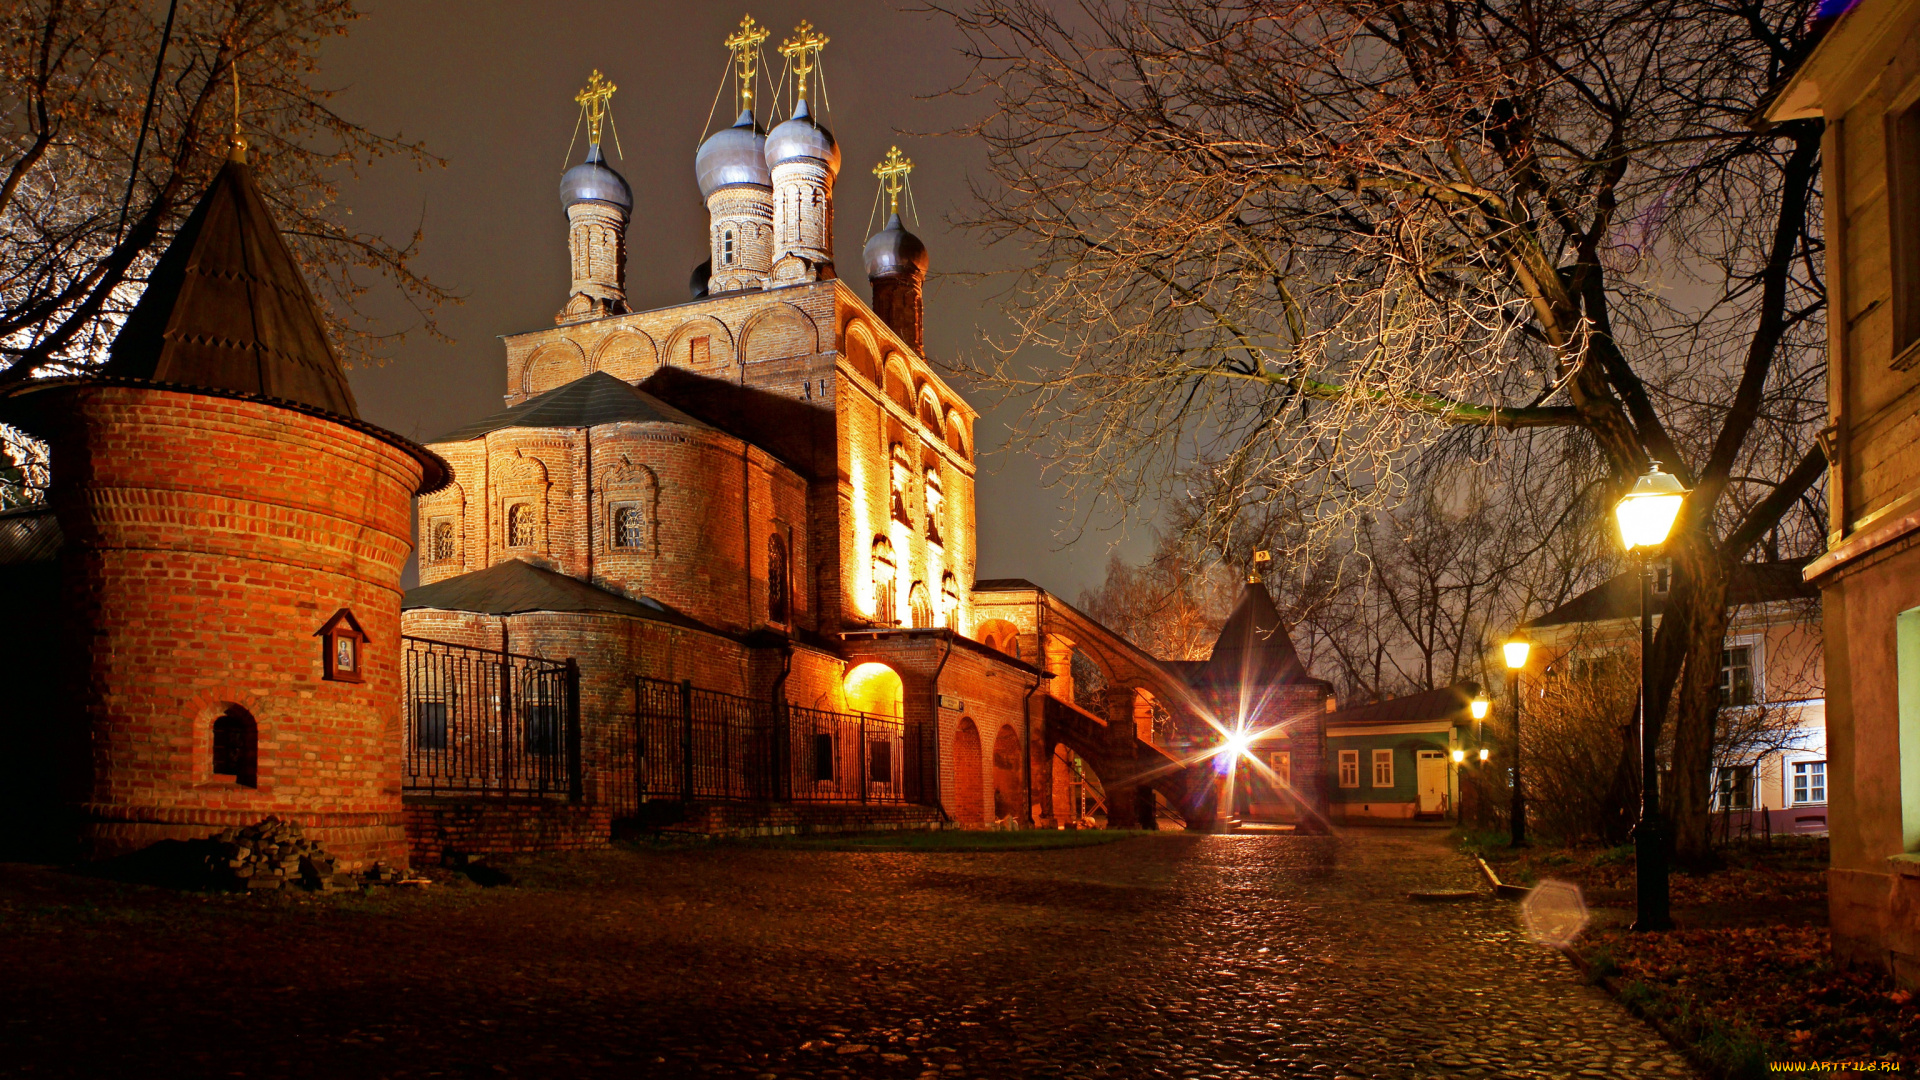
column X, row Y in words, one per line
column 1698, row 714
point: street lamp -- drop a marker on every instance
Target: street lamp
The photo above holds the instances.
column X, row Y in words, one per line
column 1646, row 515
column 1516, row 650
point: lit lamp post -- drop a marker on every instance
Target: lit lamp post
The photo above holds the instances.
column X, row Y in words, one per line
column 1478, row 708
column 1516, row 650
column 1646, row 515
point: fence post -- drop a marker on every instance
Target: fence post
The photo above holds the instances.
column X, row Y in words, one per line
column 686, row 741
column 861, row 753
column 639, row 746
column 726, row 753
column 576, row 781
column 506, row 725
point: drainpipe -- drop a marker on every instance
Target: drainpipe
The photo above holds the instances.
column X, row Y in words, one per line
column 778, row 700
column 586, row 433
column 942, row 666
column 1026, row 759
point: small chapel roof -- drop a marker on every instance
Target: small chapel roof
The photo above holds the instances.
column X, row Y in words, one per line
column 515, row 587
column 226, row 308
column 1253, row 647
column 590, row 401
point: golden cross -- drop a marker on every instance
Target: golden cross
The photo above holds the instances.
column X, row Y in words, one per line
column 803, row 50
column 893, row 177
column 745, row 46
column 594, row 101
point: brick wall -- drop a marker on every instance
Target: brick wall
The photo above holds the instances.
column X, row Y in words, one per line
column 438, row 829
column 207, row 541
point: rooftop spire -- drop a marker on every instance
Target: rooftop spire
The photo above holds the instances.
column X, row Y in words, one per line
column 237, row 145
column 593, row 102
column 893, row 171
column 745, row 46
column 802, row 50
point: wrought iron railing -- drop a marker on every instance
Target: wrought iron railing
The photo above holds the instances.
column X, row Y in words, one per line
column 692, row 744
column 486, row 722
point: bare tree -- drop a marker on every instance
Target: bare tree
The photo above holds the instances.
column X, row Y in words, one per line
column 1305, row 244
column 116, row 115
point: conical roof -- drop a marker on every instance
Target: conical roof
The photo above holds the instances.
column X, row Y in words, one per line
column 588, row 401
column 227, row 308
column 1253, row 647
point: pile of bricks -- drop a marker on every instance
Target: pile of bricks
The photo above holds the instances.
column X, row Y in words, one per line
column 273, row 854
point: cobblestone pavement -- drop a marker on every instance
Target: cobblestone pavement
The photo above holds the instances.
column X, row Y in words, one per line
column 1204, row 957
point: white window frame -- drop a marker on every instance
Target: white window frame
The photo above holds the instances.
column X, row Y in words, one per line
column 1349, row 768
column 1383, row 758
column 1797, row 770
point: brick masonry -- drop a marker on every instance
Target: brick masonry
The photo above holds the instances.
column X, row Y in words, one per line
column 438, row 829
column 196, row 591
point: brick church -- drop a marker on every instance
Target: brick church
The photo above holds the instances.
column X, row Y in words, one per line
column 711, row 567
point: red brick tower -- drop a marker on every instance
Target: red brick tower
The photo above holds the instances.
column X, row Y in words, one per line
column 230, row 577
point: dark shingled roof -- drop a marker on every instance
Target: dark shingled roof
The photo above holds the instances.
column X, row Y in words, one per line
column 596, row 399
column 227, row 309
column 29, row 536
column 515, row 587
column 1446, row 703
column 1253, row 648
column 1619, row 597
column 1003, row 584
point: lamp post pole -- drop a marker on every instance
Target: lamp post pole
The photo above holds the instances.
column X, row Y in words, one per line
column 1518, row 811
column 1650, row 835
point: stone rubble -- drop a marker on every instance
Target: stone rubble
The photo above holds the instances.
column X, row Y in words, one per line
column 273, row 854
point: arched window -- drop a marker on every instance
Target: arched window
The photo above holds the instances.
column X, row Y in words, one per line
column 778, row 585
column 921, row 605
column 886, row 610
column 629, row 526
column 950, row 600
column 520, row 525
column 935, row 500
column 900, row 474
column 440, row 547
column 236, row 747
column 726, row 247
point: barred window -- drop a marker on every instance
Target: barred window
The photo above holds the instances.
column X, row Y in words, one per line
column 440, row 546
column 520, row 525
column 629, row 526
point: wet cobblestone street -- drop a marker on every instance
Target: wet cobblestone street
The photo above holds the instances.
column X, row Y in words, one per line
column 1253, row 955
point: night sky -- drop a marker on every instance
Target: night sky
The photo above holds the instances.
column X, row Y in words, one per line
column 489, row 86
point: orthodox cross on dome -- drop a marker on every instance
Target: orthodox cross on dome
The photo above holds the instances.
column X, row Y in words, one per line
column 802, row 50
column 893, row 171
column 745, row 46
column 593, row 102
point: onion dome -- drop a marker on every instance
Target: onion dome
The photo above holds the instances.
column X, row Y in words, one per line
column 893, row 251
column 698, row 283
column 593, row 181
column 800, row 139
column 733, row 156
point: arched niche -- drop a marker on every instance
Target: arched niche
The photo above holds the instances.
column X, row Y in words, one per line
column 552, row 365
column 1008, row 797
column 930, row 413
column 1001, row 635
column 702, row 345
column 521, row 486
column 968, row 805
column 629, row 504
column 956, row 435
column 861, row 353
column 443, row 526
column 628, row 355
column 874, row 688
column 778, row 332
column 899, row 386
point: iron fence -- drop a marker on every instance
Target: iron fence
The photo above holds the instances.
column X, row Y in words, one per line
column 692, row 744
column 485, row 722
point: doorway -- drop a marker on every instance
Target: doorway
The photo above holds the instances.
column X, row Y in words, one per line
column 1430, row 773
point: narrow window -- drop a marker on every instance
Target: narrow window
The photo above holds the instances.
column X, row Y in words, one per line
column 886, row 611
column 629, row 526
column 520, row 525
column 880, row 763
column 778, row 586
column 900, row 475
column 1283, row 769
column 823, row 758
column 921, row 607
column 541, row 722
column 236, row 747
column 1383, row 768
column 1736, row 675
column 1350, row 768
column 430, row 725
column 950, row 600
column 440, row 544
column 935, row 500
column 726, row 247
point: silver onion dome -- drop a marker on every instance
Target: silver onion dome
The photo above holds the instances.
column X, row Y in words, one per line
column 799, row 139
column 733, row 156
column 592, row 180
column 894, row 252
